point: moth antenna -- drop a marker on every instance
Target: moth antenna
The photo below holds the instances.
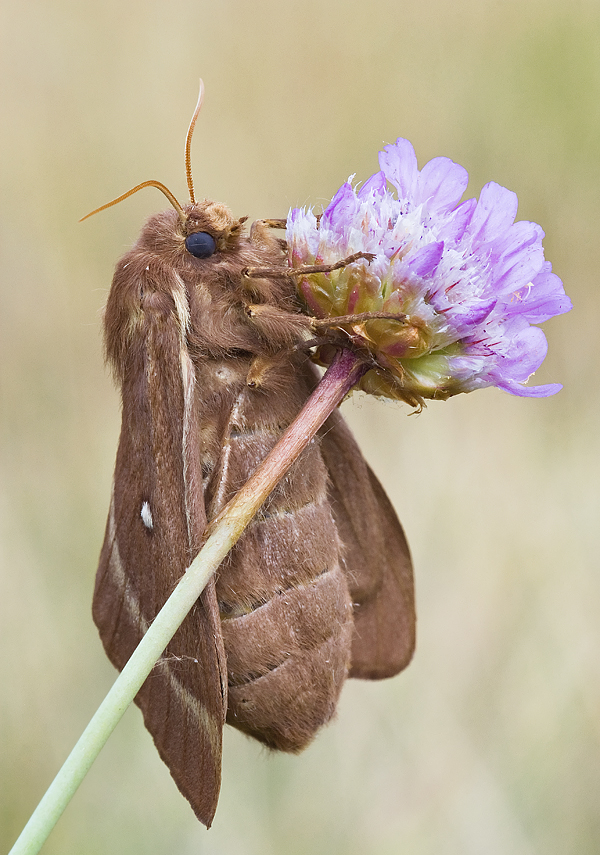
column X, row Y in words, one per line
column 133, row 190
column 188, row 145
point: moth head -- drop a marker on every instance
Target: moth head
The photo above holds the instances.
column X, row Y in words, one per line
column 206, row 227
column 210, row 227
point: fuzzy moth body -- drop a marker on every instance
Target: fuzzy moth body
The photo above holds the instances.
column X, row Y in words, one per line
column 319, row 587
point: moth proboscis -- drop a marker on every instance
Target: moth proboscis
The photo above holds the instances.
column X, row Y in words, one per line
column 212, row 368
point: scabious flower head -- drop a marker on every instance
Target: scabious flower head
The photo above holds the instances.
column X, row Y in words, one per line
column 464, row 279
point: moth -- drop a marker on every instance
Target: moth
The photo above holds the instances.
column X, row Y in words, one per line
column 213, row 363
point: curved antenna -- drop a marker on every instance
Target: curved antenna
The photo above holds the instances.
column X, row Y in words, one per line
column 188, row 145
column 133, row 190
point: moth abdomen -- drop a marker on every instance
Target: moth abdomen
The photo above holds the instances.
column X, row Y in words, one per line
column 288, row 660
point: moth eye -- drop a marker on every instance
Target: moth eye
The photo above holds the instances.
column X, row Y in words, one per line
column 200, row 244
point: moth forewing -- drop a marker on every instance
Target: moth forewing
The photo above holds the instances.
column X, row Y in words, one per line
column 158, row 478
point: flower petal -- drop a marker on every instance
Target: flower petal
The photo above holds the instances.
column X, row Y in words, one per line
column 341, row 209
column 458, row 221
column 464, row 317
column 441, row 184
column 373, row 186
column 398, row 162
column 424, row 261
column 541, row 299
column 527, row 350
column 495, row 212
column 529, row 391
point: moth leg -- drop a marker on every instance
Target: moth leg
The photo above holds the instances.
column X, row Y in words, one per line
column 261, row 237
column 360, row 318
column 275, row 322
column 272, row 223
column 281, row 223
column 276, row 272
column 311, row 343
column 259, row 368
column 329, row 268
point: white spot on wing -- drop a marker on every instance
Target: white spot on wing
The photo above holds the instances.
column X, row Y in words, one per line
column 146, row 515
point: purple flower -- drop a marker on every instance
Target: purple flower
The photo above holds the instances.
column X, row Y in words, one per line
column 464, row 279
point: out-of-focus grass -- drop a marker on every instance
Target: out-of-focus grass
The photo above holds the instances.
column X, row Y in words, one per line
column 489, row 743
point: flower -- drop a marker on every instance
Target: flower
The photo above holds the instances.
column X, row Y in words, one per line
column 461, row 283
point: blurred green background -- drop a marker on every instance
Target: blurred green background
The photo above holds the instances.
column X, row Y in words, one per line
column 489, row 743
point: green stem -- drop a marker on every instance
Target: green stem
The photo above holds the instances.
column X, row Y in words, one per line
column 343, row 373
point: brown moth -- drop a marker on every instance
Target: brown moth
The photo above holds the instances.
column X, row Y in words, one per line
column 212, row 369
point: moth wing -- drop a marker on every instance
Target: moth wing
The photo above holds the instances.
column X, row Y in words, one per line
column 376, row 558
column 155, row 523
